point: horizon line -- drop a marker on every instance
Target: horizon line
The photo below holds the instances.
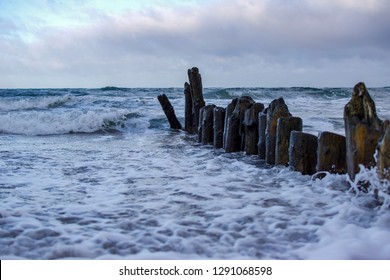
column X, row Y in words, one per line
column 177, row 87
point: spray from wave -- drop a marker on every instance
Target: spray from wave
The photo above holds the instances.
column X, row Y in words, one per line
column 376, row 192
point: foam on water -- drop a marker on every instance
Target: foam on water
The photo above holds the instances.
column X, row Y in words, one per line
column 356, row 232
column 151, row 193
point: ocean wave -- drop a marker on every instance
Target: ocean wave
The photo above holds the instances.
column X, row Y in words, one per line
column 218, row 94
column 272, row 93
column 48, row 123
column 46, row 102
column 111, row 88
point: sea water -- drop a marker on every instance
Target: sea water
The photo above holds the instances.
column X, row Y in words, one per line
column 98, row 174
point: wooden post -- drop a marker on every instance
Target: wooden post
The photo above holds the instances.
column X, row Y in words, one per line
column 196, row 94
column 276, row 110
column 235, row 131
column 251, row 124
column 283, row 131
column 207, row 124
column 331, row 154
column 362, row 141
column 233, row 143
column 219, row 123
column 244, row 103
column 200, row 124
column 362, row 130
column 169, row 111
column 188, row 113
column 228, row 113
column 384, row 152
column 261, row 146
column 303, row 152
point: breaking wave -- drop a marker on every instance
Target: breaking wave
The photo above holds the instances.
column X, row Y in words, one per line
column 46, row 102
column 47, row 123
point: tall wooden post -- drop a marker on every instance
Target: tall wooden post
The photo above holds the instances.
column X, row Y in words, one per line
column 189, row 125
column 196, row 94
column 362, row 130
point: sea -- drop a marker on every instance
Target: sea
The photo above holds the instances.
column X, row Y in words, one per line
column 99, row 174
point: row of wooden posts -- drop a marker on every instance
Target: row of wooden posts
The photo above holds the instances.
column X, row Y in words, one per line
column 276, row 136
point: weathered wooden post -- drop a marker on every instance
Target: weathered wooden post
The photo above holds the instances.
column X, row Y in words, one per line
column 244, row 103
column 200, row 124
column 362, row 130
column 384, row 153
column 188, row 113
column 196, row 94
column 261, row 145
column 233, row 139
column 276, row 109
column 169, row 111
column 207, row 124
column 331, row 154
column 251, row 124
column 303, row 152
column 283, row 130
column 219, row 123
column 228, row 113
column 235, row 131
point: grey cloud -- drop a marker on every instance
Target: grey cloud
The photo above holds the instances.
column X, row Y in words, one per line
column 247, row 42
column 290, row 29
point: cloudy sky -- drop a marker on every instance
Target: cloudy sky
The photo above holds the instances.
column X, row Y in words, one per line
column 152, row 43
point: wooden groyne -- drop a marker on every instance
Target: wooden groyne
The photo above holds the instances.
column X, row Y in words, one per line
column 276, row 136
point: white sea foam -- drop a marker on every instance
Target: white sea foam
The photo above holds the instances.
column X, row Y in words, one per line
column 116, row 198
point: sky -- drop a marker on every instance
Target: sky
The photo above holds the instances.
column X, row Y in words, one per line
column 234, row 43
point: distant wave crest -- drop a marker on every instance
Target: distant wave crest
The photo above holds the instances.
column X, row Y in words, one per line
column 218, row 94
column 270, row 93
column 111, row 88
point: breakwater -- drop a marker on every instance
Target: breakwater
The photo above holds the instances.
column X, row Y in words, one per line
column 276, row 136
